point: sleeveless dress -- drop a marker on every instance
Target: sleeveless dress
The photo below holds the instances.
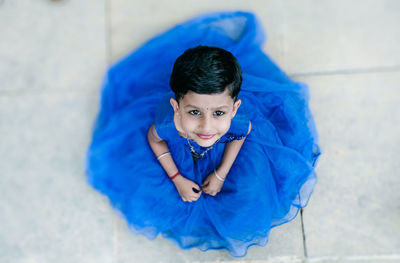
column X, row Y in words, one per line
column 272, row 176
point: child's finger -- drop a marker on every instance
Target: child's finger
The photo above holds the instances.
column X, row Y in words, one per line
column 196, row 186
column 205, row 183
column 197, row 195
column 196, row 190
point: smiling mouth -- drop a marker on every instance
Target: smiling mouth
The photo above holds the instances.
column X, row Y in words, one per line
column 205, row 137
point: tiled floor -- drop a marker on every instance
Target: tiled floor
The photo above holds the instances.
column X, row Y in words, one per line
column 52, row 58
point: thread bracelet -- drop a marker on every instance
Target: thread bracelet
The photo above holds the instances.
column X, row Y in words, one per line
column 175, row 175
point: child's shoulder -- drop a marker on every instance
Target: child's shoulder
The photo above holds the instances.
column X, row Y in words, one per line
column 164, row 111
column 164, row 121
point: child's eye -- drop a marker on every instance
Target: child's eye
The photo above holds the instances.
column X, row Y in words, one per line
column 194, row 112
column 219, row 113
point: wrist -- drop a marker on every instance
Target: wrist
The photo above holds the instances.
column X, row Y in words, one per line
column 174, row 176
column 222, row 171
column 177, row 179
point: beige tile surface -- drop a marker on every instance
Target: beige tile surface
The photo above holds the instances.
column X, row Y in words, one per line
column 355, row 209
column 48, row 213
column 53, row 55
column 51, row 44
column 134, row 22
column 341, row 35
column 285, row 240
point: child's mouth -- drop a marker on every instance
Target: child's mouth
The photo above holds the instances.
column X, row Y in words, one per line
column 204, row 136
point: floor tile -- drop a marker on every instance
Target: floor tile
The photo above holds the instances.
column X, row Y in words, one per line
column 132, row 23
column 51, row 44
column 340, row 35
column 48, row 211
column 355, row 207
column 284, row 241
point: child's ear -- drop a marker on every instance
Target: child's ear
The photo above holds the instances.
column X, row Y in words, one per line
column 174, row 105
column 236, row 106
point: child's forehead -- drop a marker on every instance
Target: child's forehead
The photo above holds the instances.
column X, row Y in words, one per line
column 207, row 101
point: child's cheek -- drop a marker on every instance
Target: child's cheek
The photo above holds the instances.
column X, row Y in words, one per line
column 225, row 127
column 189, row 124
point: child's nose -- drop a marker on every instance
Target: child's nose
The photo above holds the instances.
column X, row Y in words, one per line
column 205, row 124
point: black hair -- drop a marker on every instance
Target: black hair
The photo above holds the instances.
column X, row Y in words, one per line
column 206, row 70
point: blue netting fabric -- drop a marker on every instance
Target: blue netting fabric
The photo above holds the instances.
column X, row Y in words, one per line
column 270, row 180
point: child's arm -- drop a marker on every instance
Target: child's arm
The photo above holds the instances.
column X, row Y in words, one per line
column 212, row 185
column 183, row 185
column 159, row 147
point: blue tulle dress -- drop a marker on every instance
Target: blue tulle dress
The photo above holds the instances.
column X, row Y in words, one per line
column 272, row 176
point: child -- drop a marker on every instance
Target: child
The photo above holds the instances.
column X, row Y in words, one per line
column 216, row 169
column 206, row 82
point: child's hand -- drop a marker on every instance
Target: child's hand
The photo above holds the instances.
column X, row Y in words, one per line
column 186, row 189
column 212, row 185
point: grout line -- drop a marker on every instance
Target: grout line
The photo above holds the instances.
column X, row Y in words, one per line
column 293, row 259
column 107, row 41
column 370, row 258
column 108, row 33
column 279, row 259
column 22, row 92
column 10, row 93
column 282, row 33
column 304, row 235
column 349, row 71
column 115, row 239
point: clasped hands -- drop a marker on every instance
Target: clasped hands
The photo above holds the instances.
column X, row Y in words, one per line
column 190, row 191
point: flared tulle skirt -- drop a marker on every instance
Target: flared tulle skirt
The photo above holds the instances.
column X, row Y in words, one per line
column 270, row 180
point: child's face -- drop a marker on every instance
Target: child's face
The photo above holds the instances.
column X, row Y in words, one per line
column 204, row 118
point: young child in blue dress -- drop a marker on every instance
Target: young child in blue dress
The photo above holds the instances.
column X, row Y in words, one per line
column 202, row 138
column 206, row 82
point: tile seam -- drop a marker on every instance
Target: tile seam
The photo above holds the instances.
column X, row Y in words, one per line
column 107, row 46
column 10, row 93
column 304, row 234
column 277, row 259
column 108, row 32
column 39, row 92
column 353, row 258
column 115, row 239
column 348, row 72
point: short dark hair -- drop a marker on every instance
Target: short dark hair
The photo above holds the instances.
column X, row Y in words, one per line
column 206, row 70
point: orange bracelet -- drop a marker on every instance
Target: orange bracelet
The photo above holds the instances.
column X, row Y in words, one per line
column 175, row 175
